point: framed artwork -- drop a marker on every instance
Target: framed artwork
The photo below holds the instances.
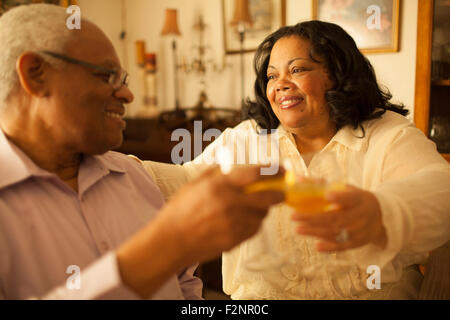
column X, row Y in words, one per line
column 8, row 4
column 373, row 24
column 267, row 16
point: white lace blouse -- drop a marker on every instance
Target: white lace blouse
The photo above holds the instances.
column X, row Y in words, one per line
column 394, row 160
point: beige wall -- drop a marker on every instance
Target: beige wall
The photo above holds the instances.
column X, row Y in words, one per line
column 144, row 19
column 107, row 14
column 394, row 70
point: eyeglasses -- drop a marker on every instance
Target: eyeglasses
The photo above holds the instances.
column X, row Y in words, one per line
column 117, row 77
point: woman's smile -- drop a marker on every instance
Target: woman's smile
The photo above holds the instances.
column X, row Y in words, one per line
column 297, row 85
column 288, row 102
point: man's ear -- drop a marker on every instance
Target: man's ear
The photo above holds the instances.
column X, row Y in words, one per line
column 30, row 68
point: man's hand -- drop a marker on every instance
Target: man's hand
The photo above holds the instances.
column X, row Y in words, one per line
column 213, row 214
column 207, row 216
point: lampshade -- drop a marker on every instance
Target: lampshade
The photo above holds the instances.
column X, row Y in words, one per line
column 170, row 23
column 241, row 13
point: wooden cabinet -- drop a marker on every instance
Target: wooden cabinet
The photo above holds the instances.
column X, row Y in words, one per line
column 151, row 138
column 432, row 94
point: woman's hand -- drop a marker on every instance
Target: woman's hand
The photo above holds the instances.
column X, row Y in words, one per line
column 354, row 210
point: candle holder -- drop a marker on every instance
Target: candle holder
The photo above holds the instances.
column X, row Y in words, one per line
column 147, row 65
column 171, row 29
column 200, row 65
column 242, row 20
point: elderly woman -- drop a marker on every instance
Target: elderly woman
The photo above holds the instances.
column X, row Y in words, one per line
column 315, row 87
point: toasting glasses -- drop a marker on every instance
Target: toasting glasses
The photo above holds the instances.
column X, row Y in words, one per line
column 305, row 194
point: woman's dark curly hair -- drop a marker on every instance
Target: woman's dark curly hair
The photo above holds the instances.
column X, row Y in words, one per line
column 355, row 96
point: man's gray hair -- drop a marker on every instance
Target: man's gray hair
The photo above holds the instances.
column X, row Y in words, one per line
column 29, row 28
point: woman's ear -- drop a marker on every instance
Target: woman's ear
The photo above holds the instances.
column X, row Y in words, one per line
column 30, row 68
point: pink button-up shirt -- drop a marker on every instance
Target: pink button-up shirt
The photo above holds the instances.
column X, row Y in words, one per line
column 48, row 231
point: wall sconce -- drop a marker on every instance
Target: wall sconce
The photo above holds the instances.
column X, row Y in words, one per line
column 171, row 28
column 200, row 65
column 242, row 20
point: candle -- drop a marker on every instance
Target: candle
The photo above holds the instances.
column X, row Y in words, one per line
column 150, row 61
column 140, row 51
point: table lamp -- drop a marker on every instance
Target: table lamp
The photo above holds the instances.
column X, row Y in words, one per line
column 171, row 28
column 242, row 20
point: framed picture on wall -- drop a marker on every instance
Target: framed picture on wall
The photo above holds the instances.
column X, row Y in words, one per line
column 266, row 15
column 8, row 4
column 373, row 24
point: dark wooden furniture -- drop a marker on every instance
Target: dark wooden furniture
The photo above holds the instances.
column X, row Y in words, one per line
column 150, row 139
column 432, row 95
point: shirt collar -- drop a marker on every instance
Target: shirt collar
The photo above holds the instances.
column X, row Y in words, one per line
column 350, row 138
column 346, row 136
column 284, row 134
column 111, row 166
column 94, row 168
column 16, row 166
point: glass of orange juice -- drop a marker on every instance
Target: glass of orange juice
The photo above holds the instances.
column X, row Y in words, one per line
column 304, row 194
column 308, row 196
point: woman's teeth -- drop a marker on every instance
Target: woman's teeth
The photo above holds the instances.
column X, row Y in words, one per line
column 113, row 115
column 290, row 103
column 287, row 102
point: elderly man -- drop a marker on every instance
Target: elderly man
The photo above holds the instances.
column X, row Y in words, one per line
column 68, row 204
